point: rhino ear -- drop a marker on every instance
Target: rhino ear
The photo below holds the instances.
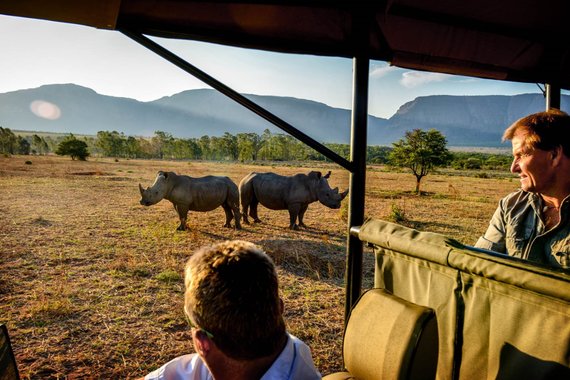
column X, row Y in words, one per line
column 328, row 174
column 141, row 189
column 313, row 174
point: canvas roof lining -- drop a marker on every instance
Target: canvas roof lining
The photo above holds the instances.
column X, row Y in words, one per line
column 508, row 40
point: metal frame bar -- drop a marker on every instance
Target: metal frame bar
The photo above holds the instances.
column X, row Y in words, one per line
column 239, row 98
column 358, row 144
column 552, row 96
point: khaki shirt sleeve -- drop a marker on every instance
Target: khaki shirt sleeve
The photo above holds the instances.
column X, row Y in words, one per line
column 494, row 237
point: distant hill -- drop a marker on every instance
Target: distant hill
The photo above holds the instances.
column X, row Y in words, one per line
column 191, row 113
column 465, row 120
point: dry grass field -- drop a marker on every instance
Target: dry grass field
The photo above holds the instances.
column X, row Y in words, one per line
column 91, row 281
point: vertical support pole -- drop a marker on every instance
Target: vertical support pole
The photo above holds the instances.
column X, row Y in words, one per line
column 358, row 143
column 552, row 96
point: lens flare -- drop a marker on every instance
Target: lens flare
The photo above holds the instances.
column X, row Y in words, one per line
column 45, row 110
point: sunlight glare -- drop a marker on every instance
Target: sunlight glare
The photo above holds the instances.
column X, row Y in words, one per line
column 45, row 110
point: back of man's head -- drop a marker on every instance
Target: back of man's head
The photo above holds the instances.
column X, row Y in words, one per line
column 545, row 130
column 232, row 293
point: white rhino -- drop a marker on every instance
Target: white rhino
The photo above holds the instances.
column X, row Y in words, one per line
column 293, row 193
column 195, row 194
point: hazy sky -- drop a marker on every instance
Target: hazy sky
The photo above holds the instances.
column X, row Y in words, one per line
column 35, row 52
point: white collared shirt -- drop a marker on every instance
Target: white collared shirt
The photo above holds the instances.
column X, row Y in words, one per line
column 294, row 363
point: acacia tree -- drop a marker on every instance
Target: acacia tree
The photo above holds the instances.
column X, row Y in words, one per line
column 70, row 146
column 421, row 151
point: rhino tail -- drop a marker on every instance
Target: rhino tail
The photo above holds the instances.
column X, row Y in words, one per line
column 246, row 190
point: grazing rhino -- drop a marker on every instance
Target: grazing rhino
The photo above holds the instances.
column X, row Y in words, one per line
column 196, row 194
column 293, row 193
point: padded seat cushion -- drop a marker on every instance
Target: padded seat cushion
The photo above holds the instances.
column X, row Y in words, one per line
column 389, row 338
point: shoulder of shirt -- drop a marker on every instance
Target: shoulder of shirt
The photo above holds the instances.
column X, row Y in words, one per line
column 519, row 196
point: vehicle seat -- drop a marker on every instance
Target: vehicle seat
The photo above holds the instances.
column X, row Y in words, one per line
column 8, row 367
column 389, row 338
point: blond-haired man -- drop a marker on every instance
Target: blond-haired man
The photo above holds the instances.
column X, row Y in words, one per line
column 236, row 316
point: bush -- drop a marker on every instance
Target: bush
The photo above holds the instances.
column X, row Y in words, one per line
column 397, row 214
column 70, row 146
column 168, row 276
column 482, row 175
column 473, row 163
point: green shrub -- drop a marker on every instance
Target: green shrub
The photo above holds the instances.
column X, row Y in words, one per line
column 472, row 163
column 397, row 214
column 482, row 175
column 168, row 276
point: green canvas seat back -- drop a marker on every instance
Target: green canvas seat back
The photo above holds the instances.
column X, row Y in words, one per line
column 389, row 338
column 8, row 367
column 519, row 317
column 423, row 278
column 498, row 318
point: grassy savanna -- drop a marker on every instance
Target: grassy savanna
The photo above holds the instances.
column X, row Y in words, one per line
column 91, row 281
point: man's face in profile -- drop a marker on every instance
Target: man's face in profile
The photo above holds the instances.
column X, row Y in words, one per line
column 532, row 165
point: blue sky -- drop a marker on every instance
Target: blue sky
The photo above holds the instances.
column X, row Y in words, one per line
column 36, row 52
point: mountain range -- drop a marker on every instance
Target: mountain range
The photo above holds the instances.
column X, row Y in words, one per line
column 68, row 108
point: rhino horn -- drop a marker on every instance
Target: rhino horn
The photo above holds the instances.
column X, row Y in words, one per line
column 335, row 190
column 328, row 174
column 343, row 194
column 141, row 189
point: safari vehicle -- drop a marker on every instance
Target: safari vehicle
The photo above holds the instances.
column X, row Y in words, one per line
column 438, row 308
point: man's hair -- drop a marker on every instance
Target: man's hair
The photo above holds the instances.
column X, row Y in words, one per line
column 232, row 292
column 546, row 130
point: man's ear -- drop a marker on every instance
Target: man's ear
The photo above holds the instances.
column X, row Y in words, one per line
column 556, row 155
column 203, row 344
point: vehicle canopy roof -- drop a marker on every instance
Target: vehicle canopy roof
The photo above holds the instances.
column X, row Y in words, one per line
column 505, row 40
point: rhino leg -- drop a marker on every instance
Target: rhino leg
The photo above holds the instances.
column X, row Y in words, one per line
column 302, row 214
column 182, row 215
column 245, row 208
column 244, row 214
column 253, row 211
column 237, row 217
column 294, row 210
column 229, row 215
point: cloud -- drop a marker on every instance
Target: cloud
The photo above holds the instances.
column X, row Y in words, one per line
column 412, row 79
column 380, row 71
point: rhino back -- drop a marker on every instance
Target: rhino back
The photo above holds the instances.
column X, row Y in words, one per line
column 277, row 192
column 200, row 194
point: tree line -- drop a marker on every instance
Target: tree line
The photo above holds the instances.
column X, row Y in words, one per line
column 244, row 147
column 162, row 145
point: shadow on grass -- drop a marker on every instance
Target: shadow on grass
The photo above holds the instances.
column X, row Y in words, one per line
column 431, row 226
column 323, row 261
